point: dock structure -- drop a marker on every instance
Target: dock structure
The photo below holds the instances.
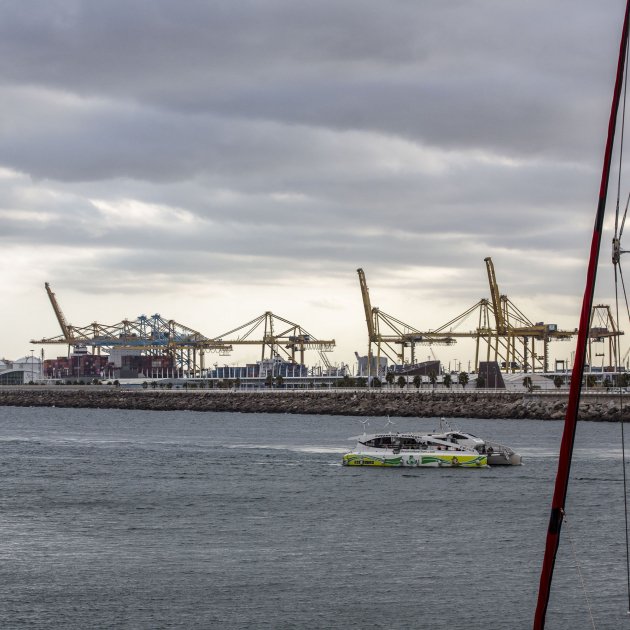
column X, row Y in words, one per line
column 185, row 348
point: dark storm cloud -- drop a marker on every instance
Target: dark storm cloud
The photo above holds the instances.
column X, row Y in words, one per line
column 484, row 74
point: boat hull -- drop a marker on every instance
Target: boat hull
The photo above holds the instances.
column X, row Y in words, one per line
column 415, row 460
column 500, row 459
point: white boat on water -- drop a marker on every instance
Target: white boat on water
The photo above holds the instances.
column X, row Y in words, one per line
column 449, row 447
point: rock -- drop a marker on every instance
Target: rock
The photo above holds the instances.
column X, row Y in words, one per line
column 361, row 403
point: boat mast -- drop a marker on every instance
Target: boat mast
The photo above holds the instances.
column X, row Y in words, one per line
column 568, row 436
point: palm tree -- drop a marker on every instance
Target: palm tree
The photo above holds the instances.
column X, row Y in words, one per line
column 480, row 381
column 389, row 378
column 447, row 380
column 402, row 381
column 433, row 378
column 527, row 383
column 462, row 379
column 376, row 381
column 417, row 380
column 557, row 381
column 279, row 380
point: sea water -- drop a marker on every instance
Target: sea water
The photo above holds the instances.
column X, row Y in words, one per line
column 131, row 519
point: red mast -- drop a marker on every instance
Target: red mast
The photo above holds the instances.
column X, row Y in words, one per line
column 568, row 436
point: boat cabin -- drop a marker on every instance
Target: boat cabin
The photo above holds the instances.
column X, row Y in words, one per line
column 398, row 442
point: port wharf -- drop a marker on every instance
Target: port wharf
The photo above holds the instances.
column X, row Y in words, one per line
column 467, row 403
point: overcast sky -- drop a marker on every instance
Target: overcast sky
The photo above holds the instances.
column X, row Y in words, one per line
column 212, row 160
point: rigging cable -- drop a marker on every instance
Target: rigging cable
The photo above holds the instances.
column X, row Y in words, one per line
column 577, row 566
column 621, row 422
column 616, row 259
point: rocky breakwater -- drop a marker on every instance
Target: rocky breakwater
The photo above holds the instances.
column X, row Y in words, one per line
column 451, row 404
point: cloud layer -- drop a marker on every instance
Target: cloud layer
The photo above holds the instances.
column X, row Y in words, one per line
column 215, row 160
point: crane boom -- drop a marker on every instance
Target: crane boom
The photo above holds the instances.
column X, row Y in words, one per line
column 496, row 298
column 367, row 305
column 65, row 329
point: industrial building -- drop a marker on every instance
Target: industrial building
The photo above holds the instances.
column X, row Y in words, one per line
column 21, row 371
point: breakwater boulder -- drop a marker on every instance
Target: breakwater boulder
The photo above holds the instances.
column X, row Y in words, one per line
column 423, row 403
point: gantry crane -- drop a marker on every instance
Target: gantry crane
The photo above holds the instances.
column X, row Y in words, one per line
column 509, row 336
column 604, row 329
column 513, row 326
column 280, row 338
column 153, row 336
column 387, row 331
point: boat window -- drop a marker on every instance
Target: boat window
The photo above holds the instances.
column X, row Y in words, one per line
column 379, row 442
column 408, row 442
column 458, row 436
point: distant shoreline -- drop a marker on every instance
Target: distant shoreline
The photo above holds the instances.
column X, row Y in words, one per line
column 423, row 403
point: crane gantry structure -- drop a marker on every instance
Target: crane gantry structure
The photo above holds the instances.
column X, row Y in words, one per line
column 603, row 329
column 279, row 337
column 387, row 332
column 515, row 336
column 152, row 336
column 518, row 340
column 157, row 336
column 507, row 335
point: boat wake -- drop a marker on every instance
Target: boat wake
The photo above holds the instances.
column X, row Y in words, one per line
column 293, row 448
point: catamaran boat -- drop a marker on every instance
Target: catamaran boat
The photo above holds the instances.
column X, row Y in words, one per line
column 411, row 449
column 446, row 447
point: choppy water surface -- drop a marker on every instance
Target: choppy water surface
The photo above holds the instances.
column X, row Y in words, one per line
column 121, row 519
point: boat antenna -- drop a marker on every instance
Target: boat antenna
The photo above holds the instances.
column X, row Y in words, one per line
column 389, row 420
column 570, row 422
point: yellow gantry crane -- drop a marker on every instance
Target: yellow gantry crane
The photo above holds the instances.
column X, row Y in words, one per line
column 391, row 335
column 509, row 337
column 153, row 336
column 157, row 336
column 280, row 338
column 512, row 326
column 603, row 328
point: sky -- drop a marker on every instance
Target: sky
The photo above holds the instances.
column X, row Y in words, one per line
column 210, row 161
